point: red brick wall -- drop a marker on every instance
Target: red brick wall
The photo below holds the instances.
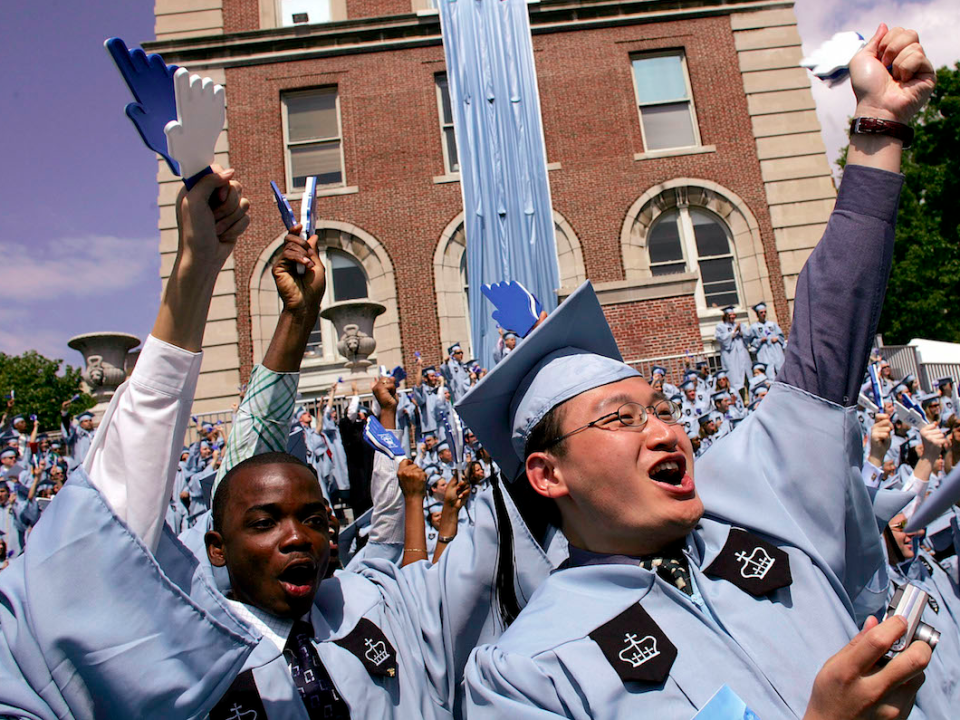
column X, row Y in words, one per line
column 378, row 8
column 655, row 328
column 240, row 15
column 392, row 151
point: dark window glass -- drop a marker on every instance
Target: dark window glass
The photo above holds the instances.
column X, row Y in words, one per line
column 664, row 246
column 349, row 280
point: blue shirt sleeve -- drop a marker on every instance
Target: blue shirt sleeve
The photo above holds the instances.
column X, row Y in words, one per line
column 840, row 290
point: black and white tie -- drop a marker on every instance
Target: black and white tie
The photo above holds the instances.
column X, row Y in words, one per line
column 317, row 691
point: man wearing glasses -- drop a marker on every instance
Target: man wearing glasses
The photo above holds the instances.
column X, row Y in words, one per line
column 455, row 372
column 746, row 584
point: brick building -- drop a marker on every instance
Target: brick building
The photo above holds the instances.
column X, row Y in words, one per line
column 686, row 165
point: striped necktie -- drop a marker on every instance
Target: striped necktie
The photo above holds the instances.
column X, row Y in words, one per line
column 317, row 691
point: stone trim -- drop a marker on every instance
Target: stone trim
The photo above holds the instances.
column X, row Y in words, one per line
column 651, row 288
column 420, row 29
column 729, row 207
column 381, row 285
column 653, row 155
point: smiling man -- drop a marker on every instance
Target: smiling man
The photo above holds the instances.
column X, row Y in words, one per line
column 737, row 578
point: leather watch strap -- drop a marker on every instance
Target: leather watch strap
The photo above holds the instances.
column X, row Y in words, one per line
column 877, row 126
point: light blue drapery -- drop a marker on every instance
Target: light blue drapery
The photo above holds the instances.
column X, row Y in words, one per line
column 508, row 216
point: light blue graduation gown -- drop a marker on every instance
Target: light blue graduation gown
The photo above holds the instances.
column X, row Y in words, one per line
column 339, row 470
column 427, row 399
column 811, row 505
column 457, row 378
column 767, row 649
column 179, row 645
column 769, row 353
column 77, row 440
column 733, row 352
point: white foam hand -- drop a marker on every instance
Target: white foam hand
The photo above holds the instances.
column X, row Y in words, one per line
column 831, row 61
column 192, row 137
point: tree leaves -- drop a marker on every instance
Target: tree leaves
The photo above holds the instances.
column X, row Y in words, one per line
column 39, row 389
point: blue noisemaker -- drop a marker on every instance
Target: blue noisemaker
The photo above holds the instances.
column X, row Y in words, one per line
column 875, row 383
column 381, row 439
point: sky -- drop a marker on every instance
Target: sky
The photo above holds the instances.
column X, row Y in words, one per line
column 78, row 225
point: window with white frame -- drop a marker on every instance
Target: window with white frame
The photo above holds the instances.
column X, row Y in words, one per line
column 311, row 129
column 667, row 116
column 690, row 239
column 346, row 280
column 301, row 12
column 448, row 138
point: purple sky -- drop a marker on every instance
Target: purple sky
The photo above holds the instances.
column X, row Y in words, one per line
column 78, row 188
column 78, row 225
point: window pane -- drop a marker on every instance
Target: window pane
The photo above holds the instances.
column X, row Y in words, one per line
column 315, row 342
column 667, row 126
column 446, row 111
column 451, row 140
column 320, row 160
column 312, row 116
column 349, row 280
column 719, row 283
column 663, row 242
column 659, row 79
column 710, row 235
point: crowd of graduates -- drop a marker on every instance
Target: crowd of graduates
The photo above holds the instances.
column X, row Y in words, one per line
column 532, row 542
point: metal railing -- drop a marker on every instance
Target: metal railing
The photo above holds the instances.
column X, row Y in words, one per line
column 905, row 360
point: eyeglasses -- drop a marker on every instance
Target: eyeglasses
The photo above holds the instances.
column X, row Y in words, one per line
column 629, row 416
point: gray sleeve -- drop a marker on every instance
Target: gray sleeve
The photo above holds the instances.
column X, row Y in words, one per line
column 841, row 288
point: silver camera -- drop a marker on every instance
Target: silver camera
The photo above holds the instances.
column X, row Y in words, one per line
column 908, row 602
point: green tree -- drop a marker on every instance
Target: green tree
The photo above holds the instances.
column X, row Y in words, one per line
column 924, row 284
column 39, row 388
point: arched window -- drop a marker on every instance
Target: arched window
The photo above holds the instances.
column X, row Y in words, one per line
column 346, row 280
column 691, row 239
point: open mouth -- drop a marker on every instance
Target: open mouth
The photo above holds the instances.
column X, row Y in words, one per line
column 299, row 578
column 669, row 471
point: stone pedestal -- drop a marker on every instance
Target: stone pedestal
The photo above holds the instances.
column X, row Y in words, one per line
column 354, row 321
column 106, row 363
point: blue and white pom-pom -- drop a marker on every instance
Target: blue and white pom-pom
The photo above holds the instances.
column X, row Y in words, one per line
column 831, row 61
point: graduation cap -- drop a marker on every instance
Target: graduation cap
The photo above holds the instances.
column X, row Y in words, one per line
column 444, row 445
column 429, row 370
column 658, row 369
column 759, row 307
column 677, row 398
column 899, row 388
column 757, row 380
column 729, row 310
column 86, row 415
column 9, row 452
column 928, row 398
column 569, row 353
column 720, row 374
column 688, row 385
column 510, row 333
column 908, row 379
column 944, row 381
column 704, row 419
column 718, row 396
column 702, row 363
column 762, row 367
column 432, row 506
column 453, row 348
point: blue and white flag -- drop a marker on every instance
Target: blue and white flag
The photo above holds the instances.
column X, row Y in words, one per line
column 875, row 384
column 914, row 405
column 453, row 430
column 381, row 439
column 286, row 212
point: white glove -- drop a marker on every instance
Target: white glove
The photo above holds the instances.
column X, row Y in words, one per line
column 192, row 137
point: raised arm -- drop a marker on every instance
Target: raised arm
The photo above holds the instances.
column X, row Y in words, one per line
column 263, row 418
column 841, row 288
column 134, row 458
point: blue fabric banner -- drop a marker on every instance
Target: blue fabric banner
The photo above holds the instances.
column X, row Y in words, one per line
column 508, row 216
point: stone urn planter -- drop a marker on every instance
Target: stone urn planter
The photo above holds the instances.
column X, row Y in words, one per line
column 105, row 360
column 354, row 321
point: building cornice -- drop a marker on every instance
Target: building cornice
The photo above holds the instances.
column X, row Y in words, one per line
column 378, row 34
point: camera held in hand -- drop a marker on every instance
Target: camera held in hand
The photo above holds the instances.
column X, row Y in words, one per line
column 908, row 602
